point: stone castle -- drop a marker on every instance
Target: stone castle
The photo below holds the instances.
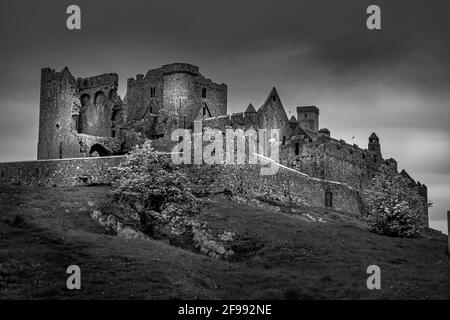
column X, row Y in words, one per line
column 85, row 117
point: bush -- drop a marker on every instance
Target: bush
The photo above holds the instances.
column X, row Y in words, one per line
column 158, row 200
column 394, row 208
column 153, row 188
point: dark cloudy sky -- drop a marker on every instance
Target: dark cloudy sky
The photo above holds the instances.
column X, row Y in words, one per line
column 395, row 81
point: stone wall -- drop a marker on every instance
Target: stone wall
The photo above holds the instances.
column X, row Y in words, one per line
column 58, row 172
column 286, row 186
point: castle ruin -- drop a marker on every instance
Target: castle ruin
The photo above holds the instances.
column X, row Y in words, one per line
column 85, row 117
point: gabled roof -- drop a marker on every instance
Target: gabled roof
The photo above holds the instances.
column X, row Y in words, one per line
column 293, row 119
column 310, row 134
column 373, row 135
column 147, row 110
column 273, row 104
column 273, row 93
column 250, row 109
column 200, row 108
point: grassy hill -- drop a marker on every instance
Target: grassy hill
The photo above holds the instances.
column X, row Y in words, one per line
column 288, row 253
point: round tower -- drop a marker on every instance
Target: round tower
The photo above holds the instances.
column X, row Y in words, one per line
column 58, row 95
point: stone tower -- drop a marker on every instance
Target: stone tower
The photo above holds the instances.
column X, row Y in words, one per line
column 374, row 144
column 175, row 94
column 57, row 103
column 308, row 117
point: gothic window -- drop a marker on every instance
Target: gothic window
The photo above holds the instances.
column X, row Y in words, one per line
column 203, row 93
column 284, row 140
column 328, row 199
column 297, row 148
column 374, row 158
column 152, row 92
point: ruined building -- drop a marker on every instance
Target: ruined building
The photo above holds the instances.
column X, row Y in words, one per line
column 85, row 117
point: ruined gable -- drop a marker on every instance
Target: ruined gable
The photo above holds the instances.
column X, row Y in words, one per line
column 273, row 115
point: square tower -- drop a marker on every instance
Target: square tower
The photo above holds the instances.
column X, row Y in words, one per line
column 308, row 116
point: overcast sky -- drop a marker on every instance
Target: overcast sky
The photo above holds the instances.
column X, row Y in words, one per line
column 394, row 81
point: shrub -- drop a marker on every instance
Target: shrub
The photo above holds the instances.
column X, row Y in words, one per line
column 152, row 187
column 161, row 201
column 394, row 207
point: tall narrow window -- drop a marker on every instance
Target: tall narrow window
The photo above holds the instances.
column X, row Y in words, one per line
column 152, row 92
column 203, row 93
column 204, row 111
column 297, row 149
column 284, row 140
column 328, row 199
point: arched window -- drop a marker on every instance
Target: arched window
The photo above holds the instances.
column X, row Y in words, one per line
column 99, row 98
column 328, row 199
column 85, row 100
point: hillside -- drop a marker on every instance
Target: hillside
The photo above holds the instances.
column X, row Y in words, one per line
column 293, row 253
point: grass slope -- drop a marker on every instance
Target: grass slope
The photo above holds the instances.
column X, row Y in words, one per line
column 285, row 255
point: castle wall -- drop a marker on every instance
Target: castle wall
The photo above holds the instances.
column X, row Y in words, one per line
column 330, row 159
column 286, row 186
column 58, row 172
